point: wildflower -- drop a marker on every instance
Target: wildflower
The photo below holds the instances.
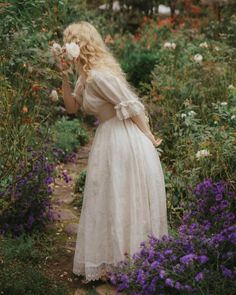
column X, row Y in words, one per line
column 56, row 49
column 54, row 95
column 191, row 113
column 232, row 117
column 183, row 115
column 203, row 45
column 224, row 103
column 199, row 276
column 25, row 109
column 231, row 86
column 202, row 153
column 169, row 45
column 198, row 58
column 72, row 50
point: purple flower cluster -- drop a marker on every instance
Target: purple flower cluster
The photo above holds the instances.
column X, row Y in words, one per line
column 200, row 259
column 31, row 207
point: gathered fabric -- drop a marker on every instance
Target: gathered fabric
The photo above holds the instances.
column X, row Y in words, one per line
column 124, row 195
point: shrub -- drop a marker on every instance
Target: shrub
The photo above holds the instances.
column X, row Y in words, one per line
column 25, row 204
column 66, row 137
column 22, row 268
column 79, row 188
column 199, row 260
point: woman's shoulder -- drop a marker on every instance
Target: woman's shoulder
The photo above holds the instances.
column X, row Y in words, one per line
column 100, row 73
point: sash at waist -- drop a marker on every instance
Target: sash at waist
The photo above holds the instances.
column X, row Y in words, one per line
column 106, row 112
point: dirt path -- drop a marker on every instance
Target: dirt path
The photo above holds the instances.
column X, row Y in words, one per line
column 66, row 229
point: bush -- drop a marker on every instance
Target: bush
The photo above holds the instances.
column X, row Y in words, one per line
column 25, row 204
column 79, row 188
column 22, row 271
column 67, row 136
column 199, row 260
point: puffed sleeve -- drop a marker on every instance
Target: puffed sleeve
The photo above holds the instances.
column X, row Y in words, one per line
column 113, row 89
column 78, row 90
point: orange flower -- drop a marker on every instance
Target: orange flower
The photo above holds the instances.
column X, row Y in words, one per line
column 35, row 87
column 108, row 39
column 25, row 109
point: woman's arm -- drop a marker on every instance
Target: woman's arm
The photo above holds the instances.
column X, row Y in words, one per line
column 141, row 122
column 71, row 104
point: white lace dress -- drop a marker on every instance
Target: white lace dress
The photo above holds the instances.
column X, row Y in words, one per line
column 124, row 195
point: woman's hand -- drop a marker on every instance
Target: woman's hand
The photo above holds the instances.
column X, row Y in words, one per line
column 155, row 141
column 62, row 65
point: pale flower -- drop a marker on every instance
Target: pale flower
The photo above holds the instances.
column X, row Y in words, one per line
column 203, row 45
column 183, row 115
column 56, row 48
column 72, row 50
column 198, row 58
column 231, row 86
column 173, row 45
column 192, row 113
column 202, row 153
column 224, row 103
column 54, row 95
column 217, row 48
column 169, row 45
column 232, row 117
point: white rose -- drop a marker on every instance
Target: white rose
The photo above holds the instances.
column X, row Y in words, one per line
column 217, row 48
column 167, row 45
column 56, row 48
column 231, row 86
column 54, row 95
column 224, row 103
column 232, row 117
column 198, row 58
column 202, row 153
column 173, row 45
column 204, row 45
column 72, row 50
column 183, row 115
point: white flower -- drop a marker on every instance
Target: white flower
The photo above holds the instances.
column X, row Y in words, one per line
column 192, row 113
column 169, row 45
column 198, row 58
column 183, row 115
column 231, row 86
column 173, row 45
column 72, row 50
column 202, row 153
column 232, row 117
column 54, row 95
column 224, row 103
column 56, row 48
column 217, row 48
column 204, row 45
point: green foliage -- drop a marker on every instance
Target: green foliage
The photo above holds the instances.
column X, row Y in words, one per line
column 79, row 188
column 22, row 268
column 68, row 135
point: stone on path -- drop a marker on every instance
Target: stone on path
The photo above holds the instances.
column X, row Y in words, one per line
column 80, row 292
column 71, row 228
column 106, row 289
column 65, row 214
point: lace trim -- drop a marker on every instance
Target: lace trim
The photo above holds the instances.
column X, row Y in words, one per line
column 93, row 273
column 126, row 109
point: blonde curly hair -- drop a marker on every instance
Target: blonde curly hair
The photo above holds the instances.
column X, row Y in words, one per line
column 93, row 50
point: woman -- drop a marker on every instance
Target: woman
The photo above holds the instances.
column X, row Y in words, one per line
column 124, row 195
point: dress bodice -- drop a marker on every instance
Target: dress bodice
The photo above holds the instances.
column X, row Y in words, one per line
column 105, row 95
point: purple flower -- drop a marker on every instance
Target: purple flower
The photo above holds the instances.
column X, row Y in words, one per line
column 199, row 276
column 203, row 259
column 187, row 258
column 169, row 282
